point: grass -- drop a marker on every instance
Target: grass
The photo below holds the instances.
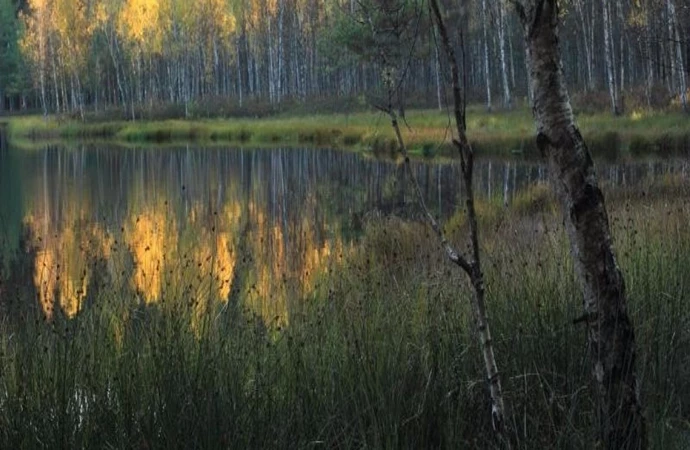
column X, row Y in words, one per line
column 428, row 135
column 382, row 354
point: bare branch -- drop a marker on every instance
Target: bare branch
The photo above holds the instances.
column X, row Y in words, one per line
column 452, row 254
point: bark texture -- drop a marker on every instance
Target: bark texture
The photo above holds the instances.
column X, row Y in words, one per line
column 610, row 331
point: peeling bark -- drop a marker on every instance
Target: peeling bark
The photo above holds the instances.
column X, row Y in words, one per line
column 610, row 332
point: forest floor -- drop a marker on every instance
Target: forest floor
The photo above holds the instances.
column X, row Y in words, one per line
column 426, row 132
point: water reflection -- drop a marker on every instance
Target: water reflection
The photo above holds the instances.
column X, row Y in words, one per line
column 205, row 226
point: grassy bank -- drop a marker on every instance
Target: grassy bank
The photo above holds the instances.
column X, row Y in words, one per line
column 382, row 355
column 428, row 132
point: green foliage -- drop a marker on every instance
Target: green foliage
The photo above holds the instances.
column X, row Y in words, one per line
column 384, row 32
column 11, row 65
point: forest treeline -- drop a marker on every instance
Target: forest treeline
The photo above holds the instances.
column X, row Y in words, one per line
column 215, row 57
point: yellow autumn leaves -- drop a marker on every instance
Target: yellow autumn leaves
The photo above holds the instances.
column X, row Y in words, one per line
column 150, row 24
column 65, row 28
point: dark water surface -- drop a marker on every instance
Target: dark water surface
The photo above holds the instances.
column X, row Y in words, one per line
column 213, row 224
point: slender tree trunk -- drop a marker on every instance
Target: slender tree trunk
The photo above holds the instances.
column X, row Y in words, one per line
column 42, row 81
column 670, row 17
column 472, row 267
column 530, row 93
column 621, row 49
column 648, row 57
column 487, row 73
column 610, row 331
column 677, row 56
column 437, row 66
column 608, row 55
column 507, row 100
column 587, row 44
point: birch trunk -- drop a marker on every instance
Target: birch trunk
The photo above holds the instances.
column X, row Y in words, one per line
column 472, row 267
column 621, row 47
column 671, row 36
column 586, row 42
column 608, row 56
column 437, row 66
column 42, row 77
column 487, row 74
column 678, row 57
column 507, row 100
column 610, row 332
column 648, row 56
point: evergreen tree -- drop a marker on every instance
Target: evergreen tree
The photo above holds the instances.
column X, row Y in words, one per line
column 11, row 80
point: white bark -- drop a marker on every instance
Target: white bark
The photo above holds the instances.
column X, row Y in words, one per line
column 648, row 56
column 621, row 46
column 608, row 56
column 437, row 65
column 610, row 331
column 487, row 73
column 587, row 43
column 507, row 100
column 671, row 36
column 678, row 56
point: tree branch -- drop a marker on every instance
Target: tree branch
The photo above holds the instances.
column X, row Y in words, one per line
column 452, row 254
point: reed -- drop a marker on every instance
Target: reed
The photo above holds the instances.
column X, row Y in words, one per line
column 381, row 355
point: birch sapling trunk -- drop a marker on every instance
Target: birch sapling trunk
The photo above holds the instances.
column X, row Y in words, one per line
column 470, row 265
column 610, row 332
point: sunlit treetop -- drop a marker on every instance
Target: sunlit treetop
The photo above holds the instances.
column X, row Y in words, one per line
column 139, row 22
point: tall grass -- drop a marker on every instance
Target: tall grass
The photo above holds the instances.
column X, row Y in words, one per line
column 428, row 134
column 382, row 355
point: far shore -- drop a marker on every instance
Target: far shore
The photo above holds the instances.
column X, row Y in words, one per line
column 426, row 132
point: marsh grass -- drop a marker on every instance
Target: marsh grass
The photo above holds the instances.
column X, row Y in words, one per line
column 639, row 132
column 381, row 355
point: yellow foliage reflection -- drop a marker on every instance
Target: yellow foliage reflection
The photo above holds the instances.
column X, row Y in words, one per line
column 61, row 274
column 152, row 239
column 190, row 261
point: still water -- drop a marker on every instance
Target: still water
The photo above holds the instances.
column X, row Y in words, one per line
column 216, row 224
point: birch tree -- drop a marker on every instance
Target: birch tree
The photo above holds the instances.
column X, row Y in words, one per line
column 507, row 100
column 677, row 67
column 610, row 332
column 487, row 72
column 609, row 59
column 34, row 45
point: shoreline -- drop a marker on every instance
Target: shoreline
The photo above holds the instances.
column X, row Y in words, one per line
column 497, row 134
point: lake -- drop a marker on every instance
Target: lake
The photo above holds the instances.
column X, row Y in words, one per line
column 201, row 225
